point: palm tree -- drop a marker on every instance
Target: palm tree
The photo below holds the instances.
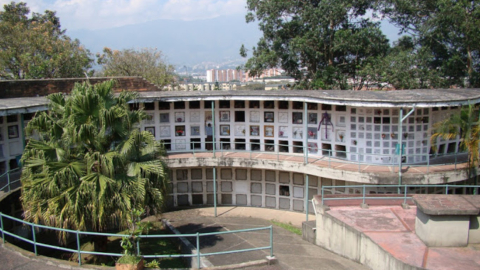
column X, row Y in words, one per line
column 88, row 166
column 465, row 125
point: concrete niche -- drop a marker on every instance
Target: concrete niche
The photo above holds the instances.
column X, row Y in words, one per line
column 256, row 200
column 197, row 187
column 270, row 176
column 270, row 189
column 182, row 200
column 197, row 199
column 226, row 174
column 270, row 202
column 209, row 173
column 298, row 179
column 196, row 174
column 284, row 177
column 182, row 175
column 313, row 181
column 227, row 199
column 298, row 205
column 210, row 198
column 298, row 192
column 241, row 199
column 210, row 186
column 256, row 175
column 241, row 174
column 182, row 187
column 226, row 186
column 284, row 203
column 256, row 188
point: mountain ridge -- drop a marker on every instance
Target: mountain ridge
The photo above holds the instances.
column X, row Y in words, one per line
column 182, row 42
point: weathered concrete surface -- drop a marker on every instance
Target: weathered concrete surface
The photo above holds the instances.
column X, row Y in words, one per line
column 290, row 250
column 384, row 238
column 448, row 216
column 442, row 231
column 321, row 167
column 442, row 205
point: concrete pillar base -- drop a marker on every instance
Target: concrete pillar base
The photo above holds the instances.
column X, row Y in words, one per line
column 271, row 260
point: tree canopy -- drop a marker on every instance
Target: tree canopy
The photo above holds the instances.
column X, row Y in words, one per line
column 36, row 47
column 319, row 43
column 339, row 45
column 87, row 166
column 449, row 29
column 147, row 62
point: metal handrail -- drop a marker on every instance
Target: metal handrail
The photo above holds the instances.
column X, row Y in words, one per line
column 405, row 188
column 9, row 181
column 321, row 154
column 78, row 251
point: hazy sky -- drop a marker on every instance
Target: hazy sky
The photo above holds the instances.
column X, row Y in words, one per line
column 100, row 14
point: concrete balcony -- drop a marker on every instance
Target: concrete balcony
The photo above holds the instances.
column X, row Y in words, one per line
column 448, row 169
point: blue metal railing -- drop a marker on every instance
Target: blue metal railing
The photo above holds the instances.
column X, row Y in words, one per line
column 34, row 227
column 404, row 194
column 7, row 180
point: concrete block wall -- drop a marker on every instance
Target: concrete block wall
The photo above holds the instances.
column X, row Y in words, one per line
column 244, row 187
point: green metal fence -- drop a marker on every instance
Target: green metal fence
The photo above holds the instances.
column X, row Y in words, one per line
column 311, row 155
column 9, row 180
column 34, row 228
column 404, row 192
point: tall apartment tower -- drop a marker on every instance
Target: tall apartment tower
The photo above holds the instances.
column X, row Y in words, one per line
column 224, row 75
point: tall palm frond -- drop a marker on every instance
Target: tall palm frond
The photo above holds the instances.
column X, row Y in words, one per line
column 466, row 126
column 89, row 167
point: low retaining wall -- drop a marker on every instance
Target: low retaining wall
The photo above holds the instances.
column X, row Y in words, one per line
column 346, row 241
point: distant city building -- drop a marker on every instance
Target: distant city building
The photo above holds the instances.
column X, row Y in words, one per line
column 227, row 75
column 224, row 75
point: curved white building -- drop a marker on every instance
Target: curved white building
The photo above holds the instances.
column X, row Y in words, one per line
column 269, row 146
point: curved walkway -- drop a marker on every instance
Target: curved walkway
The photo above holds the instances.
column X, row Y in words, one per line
column 291, row 251
column 441, row 164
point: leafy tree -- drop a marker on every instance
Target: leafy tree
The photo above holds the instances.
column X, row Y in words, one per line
column 465, row 125
column 90, row 167
column 449, row 29
column 147, row 62
column 406, row 66
column 37, row 47
column 320, row 43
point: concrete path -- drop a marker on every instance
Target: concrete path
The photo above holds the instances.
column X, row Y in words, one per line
column 291, row 251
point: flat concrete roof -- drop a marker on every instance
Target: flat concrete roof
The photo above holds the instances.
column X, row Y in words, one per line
column 390, row 99
column 395, row 98
column 446, row 205
column 11, row 106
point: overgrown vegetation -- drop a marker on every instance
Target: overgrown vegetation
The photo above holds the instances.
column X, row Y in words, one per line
column 288, row 227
